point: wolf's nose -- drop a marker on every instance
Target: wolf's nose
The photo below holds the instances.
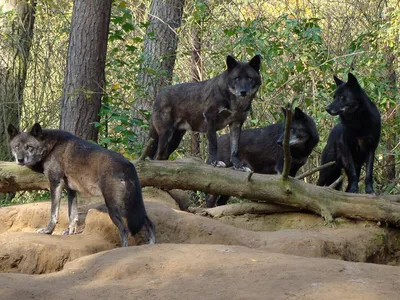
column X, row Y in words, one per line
column 243, row 93
column 20, row 160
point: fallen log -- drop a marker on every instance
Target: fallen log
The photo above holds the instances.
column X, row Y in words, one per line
column 195, row 175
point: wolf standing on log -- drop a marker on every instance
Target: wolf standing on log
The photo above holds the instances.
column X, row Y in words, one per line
column 77, row 165
column 354, row 140
column 206, row 106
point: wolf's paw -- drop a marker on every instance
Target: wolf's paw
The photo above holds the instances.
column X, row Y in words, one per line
column 219, row 164
column 248, row 170
column 69, row 231
column 353, row 190
column 369, row 190
column 243, row 168
column 46, row 230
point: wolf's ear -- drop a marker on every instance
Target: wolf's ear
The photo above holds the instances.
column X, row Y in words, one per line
column 12, row 131
column 298, row 113
column 338, row 81
column 36, row 130
column 231, row 63
column 255, row 62
column 352, row 80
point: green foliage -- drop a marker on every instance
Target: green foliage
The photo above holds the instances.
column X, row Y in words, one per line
column 24, row 197
column 124, row 58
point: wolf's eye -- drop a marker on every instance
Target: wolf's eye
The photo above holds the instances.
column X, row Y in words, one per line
column 237, row 79
column 29, row 147
column 250, row 79
column 341, row 98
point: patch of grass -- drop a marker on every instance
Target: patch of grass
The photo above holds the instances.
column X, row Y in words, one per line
column 23, row 197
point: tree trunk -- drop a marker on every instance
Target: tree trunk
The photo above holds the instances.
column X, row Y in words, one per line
column 159, row 53
column 389, row 170
column 197, row 75
column 84, row 76
column 195, row 175
column 15, row 47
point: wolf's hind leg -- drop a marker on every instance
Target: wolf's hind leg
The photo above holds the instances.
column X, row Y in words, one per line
column 175, row 140
column 56, row 187
column 163, row 144
column 151, row 232
column 116, row 217
column 72, row 212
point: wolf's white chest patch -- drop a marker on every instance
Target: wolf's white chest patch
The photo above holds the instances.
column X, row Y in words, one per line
column 185, row 126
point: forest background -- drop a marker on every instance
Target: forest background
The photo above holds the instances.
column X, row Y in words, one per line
column 155, row 43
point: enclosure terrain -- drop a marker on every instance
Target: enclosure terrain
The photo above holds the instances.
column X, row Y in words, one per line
column 289, row 255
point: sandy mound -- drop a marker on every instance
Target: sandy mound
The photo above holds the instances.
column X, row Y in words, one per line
column 169, row 271
column 32, row 253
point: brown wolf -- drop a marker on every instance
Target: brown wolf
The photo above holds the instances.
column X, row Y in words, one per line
column 205, row 106
column 80, row 166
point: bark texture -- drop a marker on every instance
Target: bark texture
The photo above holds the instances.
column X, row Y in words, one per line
column 84, row 75
column 18, row 32
column 196, row 69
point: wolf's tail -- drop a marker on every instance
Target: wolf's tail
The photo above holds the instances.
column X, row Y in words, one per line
column 135, row 211
column 151, row 152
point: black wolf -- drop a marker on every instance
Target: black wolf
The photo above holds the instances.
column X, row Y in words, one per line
column 353, row 141
column 205, row 106
column 80, row 166
column 260, row 149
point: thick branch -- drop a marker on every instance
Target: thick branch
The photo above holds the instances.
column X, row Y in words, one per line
column 192, row 175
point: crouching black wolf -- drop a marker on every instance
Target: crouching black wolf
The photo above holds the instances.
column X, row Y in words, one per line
column 260, row 149
column 353, row 141
column 80, row 166
column 205, row 106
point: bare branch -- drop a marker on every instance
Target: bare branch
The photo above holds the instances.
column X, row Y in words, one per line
column 286, row 148
column 336, row 182
column 308, row 173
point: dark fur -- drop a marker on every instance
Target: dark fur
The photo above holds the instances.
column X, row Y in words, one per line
column 354, row 140
column 205, row 106
column 80, row 166
column 260, row 149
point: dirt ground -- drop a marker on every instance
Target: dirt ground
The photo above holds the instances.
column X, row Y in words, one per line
column 282, row 256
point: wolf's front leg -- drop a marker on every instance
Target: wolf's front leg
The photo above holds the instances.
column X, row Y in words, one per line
column 212, row 142
column 235, row 129
column 56, row 188
column 369, row 189
column 349, row 167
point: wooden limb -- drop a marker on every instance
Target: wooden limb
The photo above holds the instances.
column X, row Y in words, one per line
column 336, row 182
column 15, row 178
column 238, row 209
column 286, row 148
column 147, row 147
column 308, row 173
column 250, row 175
column 194, row 175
